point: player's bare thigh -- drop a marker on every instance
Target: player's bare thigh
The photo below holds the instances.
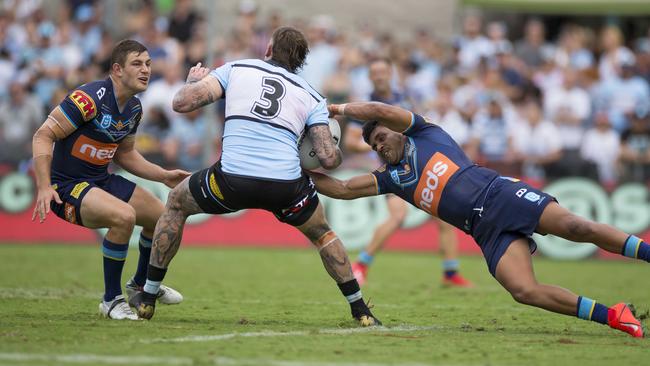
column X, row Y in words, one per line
column 148, row 208
column 100, row 209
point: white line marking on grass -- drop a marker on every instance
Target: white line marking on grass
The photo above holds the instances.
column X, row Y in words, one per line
column 45, row 293
column 297, row 333
column 225, row 361
column 91, row 359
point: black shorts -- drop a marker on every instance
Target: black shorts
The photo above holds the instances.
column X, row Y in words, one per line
column 72, row 192
column 217, row 192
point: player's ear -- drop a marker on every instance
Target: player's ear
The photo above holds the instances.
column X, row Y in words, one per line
column 116, row 69
column 269, row 50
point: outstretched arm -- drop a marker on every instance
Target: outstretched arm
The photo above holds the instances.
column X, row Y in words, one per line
column 359, row 186
column 395, row 118
column 198, row 90
column 133, row 162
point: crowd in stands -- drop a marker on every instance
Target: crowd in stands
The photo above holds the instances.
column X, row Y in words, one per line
column 536, row 107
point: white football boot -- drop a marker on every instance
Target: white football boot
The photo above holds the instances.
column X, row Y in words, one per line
column 166, row 295
column 117, row 309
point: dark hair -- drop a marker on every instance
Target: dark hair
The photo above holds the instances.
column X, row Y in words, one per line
column 289, row 48
column 122, row 50
column 368, row 127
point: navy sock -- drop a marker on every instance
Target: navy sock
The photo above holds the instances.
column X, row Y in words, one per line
column 143, row 261
column 589, row 309
column 634, row 247
column 114, row 257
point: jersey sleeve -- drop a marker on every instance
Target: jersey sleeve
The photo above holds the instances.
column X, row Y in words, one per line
column 318, row 115
column 137, row 118
column 80, row 106
column 383, row 180
column 222, row 74
column 417, row 124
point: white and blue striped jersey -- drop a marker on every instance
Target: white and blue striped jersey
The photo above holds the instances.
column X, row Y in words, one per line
column 267, row 110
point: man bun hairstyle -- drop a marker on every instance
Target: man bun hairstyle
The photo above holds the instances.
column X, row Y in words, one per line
column 290, row 48
column 122, row 50
column 368, row 127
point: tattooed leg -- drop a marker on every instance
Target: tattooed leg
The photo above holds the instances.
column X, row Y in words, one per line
column 165, row 244
column 331, row 250
column 336, row 262
column 169, row 229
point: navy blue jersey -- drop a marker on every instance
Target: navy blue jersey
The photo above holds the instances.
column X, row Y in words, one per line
column 436, row 176
column 100, row 127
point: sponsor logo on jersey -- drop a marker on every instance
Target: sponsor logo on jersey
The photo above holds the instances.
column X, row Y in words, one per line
column 70, row 213
column 85, row 103
column 78, row 188
column 435, row 176
column 214, row 187
column 94, row 152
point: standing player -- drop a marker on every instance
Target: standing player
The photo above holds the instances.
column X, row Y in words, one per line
column 380, row 73
column 94, row 125
column 500, row 213
column 267, row 109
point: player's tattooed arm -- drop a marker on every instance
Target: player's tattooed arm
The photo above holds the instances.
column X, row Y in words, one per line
column 393, row 117
column 359, row 186
column 325, row 147
column 199, row 90
column 169, row 229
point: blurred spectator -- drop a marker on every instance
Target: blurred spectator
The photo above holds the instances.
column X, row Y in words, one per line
column 473, row 46
column 161, row 92
column 184, row 144
column 635, row 147
column 601, row 146
column 614, row 55
column 538, row 140
column 20, row 116
column 492, row 139
column 620, row 96
column 532, row 48
column 568, row 106
column 446, row 116
column 151, row 134
column 182, row 21
column 572, row 51
column 323, row 57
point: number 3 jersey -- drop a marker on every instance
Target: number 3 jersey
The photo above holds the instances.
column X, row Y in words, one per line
column 267, row 110
column 436, row 176
column 99, row 128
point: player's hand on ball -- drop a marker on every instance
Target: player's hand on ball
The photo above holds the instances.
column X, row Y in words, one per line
column 174, row 177
column 197, row 72
column 43, row 200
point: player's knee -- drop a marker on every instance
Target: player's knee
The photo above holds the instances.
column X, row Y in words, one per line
column 125, row 218
column 524, row 294
column 175, row 200
column 316, row 231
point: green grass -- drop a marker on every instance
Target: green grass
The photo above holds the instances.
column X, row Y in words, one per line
column 49, row 297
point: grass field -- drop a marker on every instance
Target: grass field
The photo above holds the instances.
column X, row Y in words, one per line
column 279, row 307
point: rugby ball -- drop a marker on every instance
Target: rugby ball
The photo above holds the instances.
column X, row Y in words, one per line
column 308, row 158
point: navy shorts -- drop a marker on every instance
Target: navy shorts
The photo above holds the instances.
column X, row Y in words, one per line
column 72, row 192
column 511, row 210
